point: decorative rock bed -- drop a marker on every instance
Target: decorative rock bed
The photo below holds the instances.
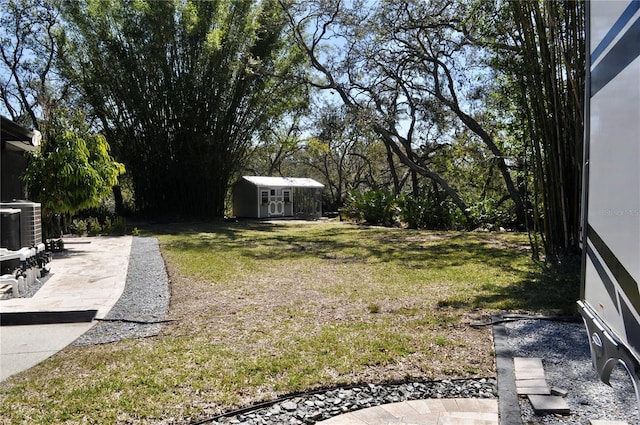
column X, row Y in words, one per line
column 317, row 406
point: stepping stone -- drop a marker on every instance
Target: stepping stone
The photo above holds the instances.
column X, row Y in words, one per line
column 528, row 368
column 524, row 390
column 549, row 404
column 559, row 391
column 532, row 386
column 529, row 374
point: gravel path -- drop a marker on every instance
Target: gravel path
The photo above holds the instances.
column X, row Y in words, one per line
column 144, row 303
column 562, row 346
column 564, row 350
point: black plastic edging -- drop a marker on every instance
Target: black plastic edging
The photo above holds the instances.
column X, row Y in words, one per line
column 508, row 405
column 46, row 317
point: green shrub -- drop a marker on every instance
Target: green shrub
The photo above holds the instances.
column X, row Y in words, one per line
column 120, row 226
column 415, row 212
column 78, row 227
column 429, row 213
column 107, row 227
column 491, row 214
column 93, row 226
column 382, row 207
column 373, row 207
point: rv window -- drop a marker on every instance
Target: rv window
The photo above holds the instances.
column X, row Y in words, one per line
column 285, row 197
column 264, row 195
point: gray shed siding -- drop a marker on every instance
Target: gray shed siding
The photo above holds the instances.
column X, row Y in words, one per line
column 245, row 199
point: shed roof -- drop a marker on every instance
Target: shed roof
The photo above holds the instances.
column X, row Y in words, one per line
column 283, row 181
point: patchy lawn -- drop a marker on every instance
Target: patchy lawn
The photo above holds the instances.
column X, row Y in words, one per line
column 266, row 309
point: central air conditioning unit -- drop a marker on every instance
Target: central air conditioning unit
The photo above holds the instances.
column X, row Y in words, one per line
column 10, row 228
column 30, row 221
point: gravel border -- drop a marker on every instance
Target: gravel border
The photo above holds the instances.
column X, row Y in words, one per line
column 564, row 350
column 321, row 405
column 144, row 304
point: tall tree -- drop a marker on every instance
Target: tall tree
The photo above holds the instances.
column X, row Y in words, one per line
column 404, row 67
column 31, row 89
column 73, row 169
column 345, row 155
column 181, row 87
column 538, row 51
column 276, row 146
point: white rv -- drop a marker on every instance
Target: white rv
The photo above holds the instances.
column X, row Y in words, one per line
column 610, row 298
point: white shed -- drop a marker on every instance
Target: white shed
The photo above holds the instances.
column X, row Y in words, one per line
column 263, row 197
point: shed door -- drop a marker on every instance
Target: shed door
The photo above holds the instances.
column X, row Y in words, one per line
column 276, row 203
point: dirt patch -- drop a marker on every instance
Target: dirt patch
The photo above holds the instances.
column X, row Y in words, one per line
column 504, row 243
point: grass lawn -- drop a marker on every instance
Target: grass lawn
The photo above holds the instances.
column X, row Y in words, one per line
column 271, row 308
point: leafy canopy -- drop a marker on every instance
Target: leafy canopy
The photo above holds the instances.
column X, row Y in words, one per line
column 182, row 88
column 73, row 170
